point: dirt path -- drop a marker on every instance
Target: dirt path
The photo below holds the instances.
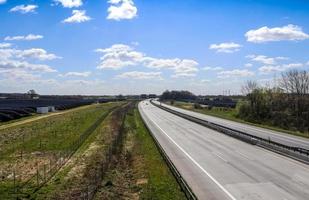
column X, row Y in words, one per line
column 5, row 126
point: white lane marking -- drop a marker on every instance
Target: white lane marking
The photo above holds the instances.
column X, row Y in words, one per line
column 243, row 155
column 197, row 164
column 219, row 156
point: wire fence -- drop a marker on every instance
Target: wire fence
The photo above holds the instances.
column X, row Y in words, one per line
column 44, row 168
column 95, row 177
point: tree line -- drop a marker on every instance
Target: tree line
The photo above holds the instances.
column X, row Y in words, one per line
column 285, row 105
column 178, row 95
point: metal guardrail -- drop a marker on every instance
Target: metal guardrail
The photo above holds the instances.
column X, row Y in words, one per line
column 296, row 153
column 181, row 181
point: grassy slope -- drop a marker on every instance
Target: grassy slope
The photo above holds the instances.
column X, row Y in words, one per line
column 49, row 135
column 140, row 172
column 72, row 173
column 161, row 183
column 230, row 114
column 147, row 174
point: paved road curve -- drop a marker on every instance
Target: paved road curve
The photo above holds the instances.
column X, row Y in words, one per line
column 279, row 137
column 220, row 167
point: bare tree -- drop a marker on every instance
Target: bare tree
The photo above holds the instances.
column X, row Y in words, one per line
column 295, row 82
column 249, row 86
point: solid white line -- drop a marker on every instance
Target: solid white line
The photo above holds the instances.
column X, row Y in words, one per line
column 197, row 164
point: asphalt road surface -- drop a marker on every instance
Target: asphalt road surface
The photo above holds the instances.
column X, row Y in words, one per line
column 219, row 167
column 279, row 137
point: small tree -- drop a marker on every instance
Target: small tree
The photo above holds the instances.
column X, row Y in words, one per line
column 32, row 93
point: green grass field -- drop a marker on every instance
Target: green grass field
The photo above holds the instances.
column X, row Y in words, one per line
column 141, row 172
column 138, row 171
column 161, row 183
column 26, row 148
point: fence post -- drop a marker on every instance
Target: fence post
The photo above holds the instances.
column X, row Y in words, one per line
column 15, row 191
column 44, row 171
column 37, row 174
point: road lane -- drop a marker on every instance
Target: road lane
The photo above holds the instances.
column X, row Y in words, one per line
column 276, row 136
column 220, row 167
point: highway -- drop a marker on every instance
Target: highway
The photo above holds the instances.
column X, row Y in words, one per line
column 275, row 136
column 219, row 167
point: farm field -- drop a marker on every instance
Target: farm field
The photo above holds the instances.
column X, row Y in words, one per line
column 31, row 153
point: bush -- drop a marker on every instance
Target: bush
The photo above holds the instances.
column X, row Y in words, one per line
column 197, row 106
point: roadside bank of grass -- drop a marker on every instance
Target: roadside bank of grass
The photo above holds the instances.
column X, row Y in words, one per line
column 118, row 160
column 82, row 175
column 30, row 153
column 141, row 172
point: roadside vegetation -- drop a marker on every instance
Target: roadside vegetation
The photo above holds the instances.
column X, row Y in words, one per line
column 282, row 107
column 285, row 105
column 102, row 152
column 31, row 153
column 140, row 172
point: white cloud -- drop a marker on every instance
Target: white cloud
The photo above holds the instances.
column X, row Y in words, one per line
column 12, row 60
column 119, row 55
column 24, row 9
column 78, row 16
column 187, row 68
column 183, row 75
column 80, row 74
column 36, row 53
column 2, row 1
column 26, row 37
column 33, row 53
column 5, row 45
column 16, row 64
column 70, row 3
column 18, row 74
column 205, row 81
column 248, row 65
column 265, row 34
column 307, row 63
column 266, row 60
column 230, row 47
column 121, row 9
column 279, row 68
column 235, row 73
column 213, row 68
column 140, row 75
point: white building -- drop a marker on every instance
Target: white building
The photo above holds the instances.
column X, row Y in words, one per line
column 42, row 110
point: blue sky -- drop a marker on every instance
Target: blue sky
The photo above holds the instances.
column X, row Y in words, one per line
column 148, row 46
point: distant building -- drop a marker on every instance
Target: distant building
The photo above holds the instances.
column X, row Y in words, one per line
column 42, row 110
column 51, row 109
